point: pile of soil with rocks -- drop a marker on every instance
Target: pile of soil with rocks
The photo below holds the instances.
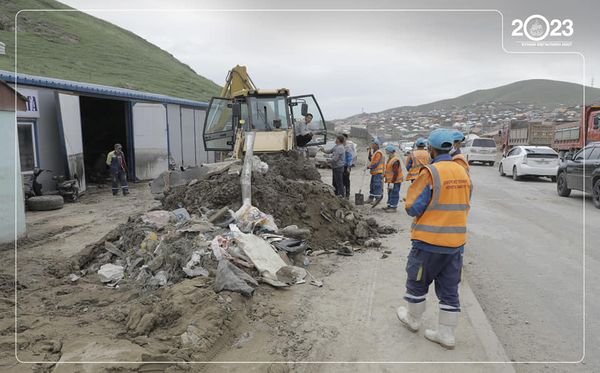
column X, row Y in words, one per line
column 291, row 191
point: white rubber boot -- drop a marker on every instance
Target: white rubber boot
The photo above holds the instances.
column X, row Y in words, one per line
column 444, row 335
column 411, row 315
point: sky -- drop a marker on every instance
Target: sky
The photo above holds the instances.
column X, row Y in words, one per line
column 363, row 59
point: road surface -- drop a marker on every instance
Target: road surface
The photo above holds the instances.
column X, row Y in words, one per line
column 525, row 264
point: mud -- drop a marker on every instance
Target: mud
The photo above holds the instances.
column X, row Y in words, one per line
column 291, row 191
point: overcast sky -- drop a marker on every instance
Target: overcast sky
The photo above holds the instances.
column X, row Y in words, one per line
column 361, row 60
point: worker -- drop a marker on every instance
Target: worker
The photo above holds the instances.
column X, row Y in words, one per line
column 417, row 159
column 376, row 168
column 118, row 170
column 303, row 134
column 338, row 163
column 350, row 162
column 439, row 202
column 456, row 154
column 393, row 178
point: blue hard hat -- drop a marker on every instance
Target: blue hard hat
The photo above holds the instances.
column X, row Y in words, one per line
column 420, row 142
column 441, row 139
column 458, row 136
column 376, row 141
column 390, row 149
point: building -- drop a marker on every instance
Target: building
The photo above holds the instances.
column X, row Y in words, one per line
column 12, row 209
column 69, row 127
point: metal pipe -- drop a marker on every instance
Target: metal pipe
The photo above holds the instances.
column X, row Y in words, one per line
column 246, row 178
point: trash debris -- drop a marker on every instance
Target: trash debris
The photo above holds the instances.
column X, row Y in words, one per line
column 248, row 218
column 291, row 274
column 345, row 250
column 386, row 229
column 158, row 218
column 111, row 273
column 193, row 268
column 181, row 214
column 73, row 277
column 260, row 253
column 293, row 231
column 230, row 277
column 113, row 249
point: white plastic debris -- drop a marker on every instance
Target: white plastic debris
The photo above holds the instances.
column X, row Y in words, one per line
column 248, row 217
column 260, row 253
column 181, row 214
column 193, row 268
column 111, row 273
column 259, row 166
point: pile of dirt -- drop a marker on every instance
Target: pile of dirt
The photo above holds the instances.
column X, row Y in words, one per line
column 291, row 191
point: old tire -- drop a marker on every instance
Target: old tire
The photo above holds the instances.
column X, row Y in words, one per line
column 45, row 203
column 596, row 193
column 561, row 185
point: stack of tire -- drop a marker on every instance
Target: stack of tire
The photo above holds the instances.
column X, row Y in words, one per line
column 45, row 203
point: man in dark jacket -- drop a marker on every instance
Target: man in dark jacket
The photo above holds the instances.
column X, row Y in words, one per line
column 118, row 170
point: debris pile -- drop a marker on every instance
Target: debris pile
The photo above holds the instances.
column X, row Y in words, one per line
column 291, row 191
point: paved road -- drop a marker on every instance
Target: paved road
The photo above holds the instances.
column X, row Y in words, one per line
column 525, row 264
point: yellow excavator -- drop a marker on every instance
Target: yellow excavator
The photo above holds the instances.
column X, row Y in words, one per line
column 271, row 114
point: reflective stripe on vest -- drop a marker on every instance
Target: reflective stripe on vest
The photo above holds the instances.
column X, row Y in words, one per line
column 444, row 222
column 420, row 158
column 379, row 166
column 389, row 170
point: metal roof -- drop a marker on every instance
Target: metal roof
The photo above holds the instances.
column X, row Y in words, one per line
column 96, row 89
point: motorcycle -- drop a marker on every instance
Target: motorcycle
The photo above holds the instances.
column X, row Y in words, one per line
column 31, row 186
column 68, row 189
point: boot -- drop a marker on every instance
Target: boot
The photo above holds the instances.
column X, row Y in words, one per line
column 370, row 199
column 410, row 315
column 444, row 335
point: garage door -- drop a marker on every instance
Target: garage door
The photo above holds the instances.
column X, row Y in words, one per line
column 150, row 140
column 70, row 131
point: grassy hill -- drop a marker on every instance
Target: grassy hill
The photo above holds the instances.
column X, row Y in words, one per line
column 77, row 46
column 540, row 92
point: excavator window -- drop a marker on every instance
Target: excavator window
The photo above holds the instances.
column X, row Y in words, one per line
column 268, row 113
column 301, row 107
column 218, row 128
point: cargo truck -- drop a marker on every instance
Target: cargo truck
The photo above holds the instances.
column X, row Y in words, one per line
column 571, row 136
column 526, row 133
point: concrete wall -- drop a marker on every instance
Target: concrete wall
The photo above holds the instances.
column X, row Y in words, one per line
column 11, row 190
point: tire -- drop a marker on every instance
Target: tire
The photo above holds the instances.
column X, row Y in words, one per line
column 515, row 176
column 492, row 164
column 45, row 203
column 501, row 170
column 561, row 185
column 596, row 193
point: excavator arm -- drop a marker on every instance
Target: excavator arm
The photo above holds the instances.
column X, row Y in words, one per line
column 237, row 82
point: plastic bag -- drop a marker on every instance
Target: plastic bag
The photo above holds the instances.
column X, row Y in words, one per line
column 249, row 217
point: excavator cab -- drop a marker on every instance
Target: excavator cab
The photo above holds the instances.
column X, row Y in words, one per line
column 272, row 114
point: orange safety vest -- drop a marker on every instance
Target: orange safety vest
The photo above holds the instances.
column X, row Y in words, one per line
column 389, row 170
column 444, row 222
column 377, row 167
column 420, row 158
column 461, row 160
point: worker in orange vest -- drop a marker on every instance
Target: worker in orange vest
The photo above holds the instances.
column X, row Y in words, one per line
column 417, row 159
column 456, row 154
column 393, row 178
column 376, row 168
column 439, row 201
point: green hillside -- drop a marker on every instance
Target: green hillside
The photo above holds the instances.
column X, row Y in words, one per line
column 540, row 92
column 77, row 46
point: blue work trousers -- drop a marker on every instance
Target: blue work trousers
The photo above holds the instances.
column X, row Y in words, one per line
column 424, row 267
column 376, row 187
column 394, row 195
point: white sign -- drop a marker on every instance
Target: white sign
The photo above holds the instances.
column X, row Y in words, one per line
column 33, row 104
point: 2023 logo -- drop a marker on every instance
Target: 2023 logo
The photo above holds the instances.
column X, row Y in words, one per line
column 537, row 27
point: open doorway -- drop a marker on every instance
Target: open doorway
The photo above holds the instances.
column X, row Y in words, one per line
column 104, row 123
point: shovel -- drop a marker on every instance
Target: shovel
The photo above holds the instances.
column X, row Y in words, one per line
column 359, row 198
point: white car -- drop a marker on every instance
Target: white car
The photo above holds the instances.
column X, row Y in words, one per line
column 480, row 150
column 530, row 160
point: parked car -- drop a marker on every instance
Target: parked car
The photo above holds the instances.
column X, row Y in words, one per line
column 581, row 171
column 323, row 160
column 529, row 161
column 480, row 150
